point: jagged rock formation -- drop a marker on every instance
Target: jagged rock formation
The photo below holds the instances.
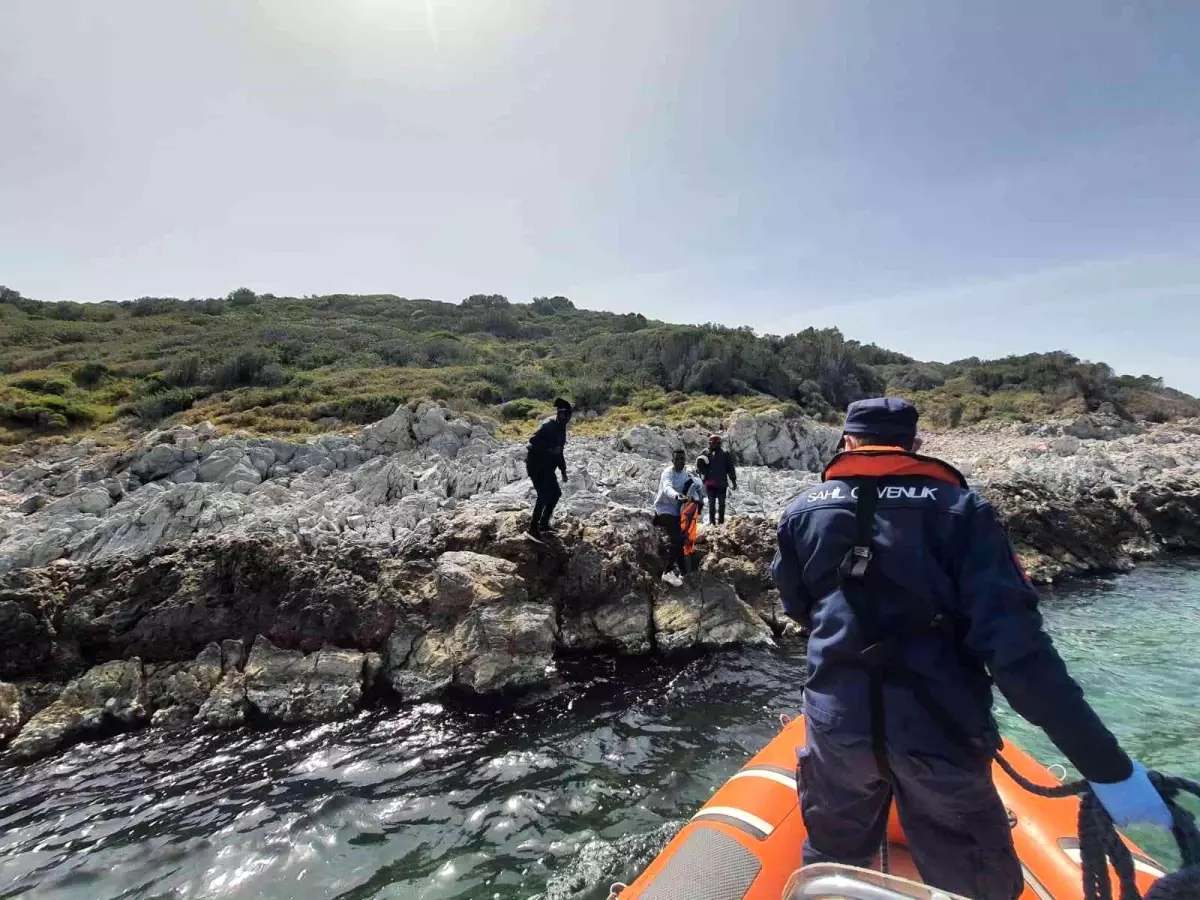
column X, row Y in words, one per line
column 1074, row 505
column 370, row 490
column 466, row 602
column 197, row 579
column 105, row 696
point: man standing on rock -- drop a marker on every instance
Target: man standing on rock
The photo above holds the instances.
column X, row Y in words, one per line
column 546, row 453
column 913, row 596
column 673, row 487
column 718, row 479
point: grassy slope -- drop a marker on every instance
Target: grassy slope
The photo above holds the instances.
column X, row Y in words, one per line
column 290, row 365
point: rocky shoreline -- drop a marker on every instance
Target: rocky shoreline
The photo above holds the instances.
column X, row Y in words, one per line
column 201, row 580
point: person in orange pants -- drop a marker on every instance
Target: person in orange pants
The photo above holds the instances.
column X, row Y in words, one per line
column 690, row 513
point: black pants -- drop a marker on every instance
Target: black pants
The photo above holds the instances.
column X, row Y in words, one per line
column 548, row 493
column 670, row 524
column 716, row 499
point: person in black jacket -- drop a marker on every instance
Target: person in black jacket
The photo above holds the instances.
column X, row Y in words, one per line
column 544, row 456
column 719, row 477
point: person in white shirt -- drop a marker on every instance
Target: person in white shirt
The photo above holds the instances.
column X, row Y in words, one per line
column 673, row 488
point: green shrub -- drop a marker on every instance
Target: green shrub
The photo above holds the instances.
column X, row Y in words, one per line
column 483, row 392
column 499, row 375
column 272, row 375
column 515, row 410
column 703, row 409
column 89, row 374
column 243, row 370
column 791, row 411
column 535, row 385
column 155, row 306
column 67, row 311
column 42, row 383
column 362, row 409
column 549, row 306
column 318, row 357
column 183, row 371
column 158, row 406
column 242, row 297
column 396, row 353
column 588, row 393
column 37, row 417
column 440, row 350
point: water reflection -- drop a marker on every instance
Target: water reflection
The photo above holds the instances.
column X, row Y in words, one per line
column 560, row 793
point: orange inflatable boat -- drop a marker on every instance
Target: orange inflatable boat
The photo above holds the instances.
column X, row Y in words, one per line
column 745, row 843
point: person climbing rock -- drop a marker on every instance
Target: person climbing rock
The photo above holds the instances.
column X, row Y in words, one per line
column 545, row 455
column 719, row 477
column 673, row 487
column 915, row 605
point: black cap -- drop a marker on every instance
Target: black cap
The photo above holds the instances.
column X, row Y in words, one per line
column 884, row 417
column 560, row 403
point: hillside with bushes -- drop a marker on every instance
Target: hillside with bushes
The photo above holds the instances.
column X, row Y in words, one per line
column 301, row 365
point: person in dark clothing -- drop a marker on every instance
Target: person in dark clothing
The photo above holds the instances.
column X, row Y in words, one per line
column 718, row 479
column 912, row 595
column 545, row 455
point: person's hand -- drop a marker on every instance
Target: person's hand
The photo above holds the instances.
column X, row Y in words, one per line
column 733, row 487
column 564, row 478
column 1134, row 801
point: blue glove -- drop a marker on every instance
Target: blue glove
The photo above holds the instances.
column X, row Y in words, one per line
column 1133, row 801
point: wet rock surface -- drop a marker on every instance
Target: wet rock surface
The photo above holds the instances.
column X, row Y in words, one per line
column 10, row 711
column 222, row 580
column 106, row 697
column 176, row 691
column 287, row 686
column 226, row 706
column 707, row 615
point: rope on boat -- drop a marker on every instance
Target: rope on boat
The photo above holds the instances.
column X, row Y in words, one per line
column 1101, row 845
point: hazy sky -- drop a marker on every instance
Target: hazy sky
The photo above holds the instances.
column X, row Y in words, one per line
column 944, row 178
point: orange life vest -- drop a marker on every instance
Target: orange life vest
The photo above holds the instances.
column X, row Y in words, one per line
column 689, row 524
column 883, row 462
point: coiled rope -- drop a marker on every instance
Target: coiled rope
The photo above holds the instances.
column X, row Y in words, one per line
column 1101, row 845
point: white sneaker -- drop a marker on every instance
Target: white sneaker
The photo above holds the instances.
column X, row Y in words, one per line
column 672, row 579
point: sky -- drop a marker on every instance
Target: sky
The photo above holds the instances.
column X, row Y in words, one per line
column 942, row 178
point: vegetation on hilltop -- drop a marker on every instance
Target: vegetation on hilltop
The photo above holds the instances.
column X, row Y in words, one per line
column 285, row 364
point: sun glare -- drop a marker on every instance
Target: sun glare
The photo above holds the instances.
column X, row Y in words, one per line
column 391, row 39
column 431, row 20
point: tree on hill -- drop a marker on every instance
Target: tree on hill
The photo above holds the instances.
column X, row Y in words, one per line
column 287, row 362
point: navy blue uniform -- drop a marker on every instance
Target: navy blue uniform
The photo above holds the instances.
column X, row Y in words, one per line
column 938, row 549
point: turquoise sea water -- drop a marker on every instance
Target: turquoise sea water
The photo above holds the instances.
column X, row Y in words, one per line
column 555, row 796
column 1133, row 642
